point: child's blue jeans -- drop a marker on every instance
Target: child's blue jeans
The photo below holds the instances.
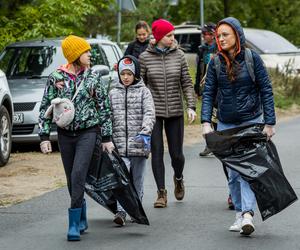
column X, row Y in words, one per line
column 137, row 167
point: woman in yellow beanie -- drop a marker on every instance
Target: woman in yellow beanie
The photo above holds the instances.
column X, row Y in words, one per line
column 91, row 117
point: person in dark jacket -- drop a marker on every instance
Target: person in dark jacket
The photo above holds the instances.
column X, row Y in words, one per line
column 92, row 116
column 140, row 44
column 205, row 52
column 165, row 72
column 240, row 102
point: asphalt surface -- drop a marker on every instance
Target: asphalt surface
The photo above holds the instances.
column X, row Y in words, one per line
column 201, row 221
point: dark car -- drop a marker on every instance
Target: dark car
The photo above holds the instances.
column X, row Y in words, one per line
column 27, row 66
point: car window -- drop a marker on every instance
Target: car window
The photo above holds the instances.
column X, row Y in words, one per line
column 183, row 39
column 32, row 62
column 119, row 52
column 111, row 56
column 195, row 42
column 98, row 55
column 5, row 60
column 177, row 38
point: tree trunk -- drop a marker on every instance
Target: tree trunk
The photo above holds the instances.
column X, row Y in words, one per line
column 226, row 8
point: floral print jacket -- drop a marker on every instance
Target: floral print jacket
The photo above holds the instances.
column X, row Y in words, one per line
column 92, row 106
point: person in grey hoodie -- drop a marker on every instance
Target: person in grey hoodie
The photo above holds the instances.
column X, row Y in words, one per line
column 133, row 117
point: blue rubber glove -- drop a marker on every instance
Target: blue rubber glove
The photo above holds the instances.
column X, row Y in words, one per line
column 146, row 140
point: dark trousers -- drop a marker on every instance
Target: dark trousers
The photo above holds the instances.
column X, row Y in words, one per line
column 76, row 153
column 174, row 129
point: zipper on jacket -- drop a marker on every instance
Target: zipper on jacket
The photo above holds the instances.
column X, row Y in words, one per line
column 126, row 125
column 165, row 79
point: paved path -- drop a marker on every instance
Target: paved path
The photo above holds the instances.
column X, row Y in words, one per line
column 200, row 222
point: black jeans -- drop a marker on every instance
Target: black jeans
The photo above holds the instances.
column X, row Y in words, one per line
column 174, row 128
column 76, row 153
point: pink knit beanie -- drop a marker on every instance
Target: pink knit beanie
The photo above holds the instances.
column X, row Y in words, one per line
column 160, row 28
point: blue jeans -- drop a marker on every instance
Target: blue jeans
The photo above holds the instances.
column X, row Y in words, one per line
column 242, row 196
column 137, row 167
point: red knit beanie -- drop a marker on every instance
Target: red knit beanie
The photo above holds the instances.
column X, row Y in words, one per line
column 160, row 28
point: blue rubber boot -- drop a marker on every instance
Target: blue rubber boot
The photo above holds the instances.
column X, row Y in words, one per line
column 83, row 225
column 74, row 220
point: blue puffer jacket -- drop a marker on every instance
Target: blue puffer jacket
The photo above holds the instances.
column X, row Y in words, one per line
column 240, row 100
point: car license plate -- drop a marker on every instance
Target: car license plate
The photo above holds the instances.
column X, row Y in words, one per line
column 18, row 118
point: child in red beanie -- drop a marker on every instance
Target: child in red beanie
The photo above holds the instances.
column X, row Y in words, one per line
column 165, row 72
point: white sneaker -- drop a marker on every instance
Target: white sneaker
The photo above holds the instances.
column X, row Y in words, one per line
column 120, row 218
column 247, row 225
column 237, row 225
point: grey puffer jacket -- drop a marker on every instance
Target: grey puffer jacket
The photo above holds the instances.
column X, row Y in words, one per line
column 133, row 113
column 167, row 76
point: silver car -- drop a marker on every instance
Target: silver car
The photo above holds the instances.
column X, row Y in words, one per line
column 27, row 66
column 6, row 115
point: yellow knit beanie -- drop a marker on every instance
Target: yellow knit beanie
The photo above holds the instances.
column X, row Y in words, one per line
column 73, row 47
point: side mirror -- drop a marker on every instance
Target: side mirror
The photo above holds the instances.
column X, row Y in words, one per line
column 103, row 69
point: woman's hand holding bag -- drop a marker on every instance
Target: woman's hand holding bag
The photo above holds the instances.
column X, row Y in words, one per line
column 108, row 146
column 206, row 128
column 46, row 147
column 269, row 131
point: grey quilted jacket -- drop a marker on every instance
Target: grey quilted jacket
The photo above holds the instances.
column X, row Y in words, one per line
column 167, row 76
column 133, row 113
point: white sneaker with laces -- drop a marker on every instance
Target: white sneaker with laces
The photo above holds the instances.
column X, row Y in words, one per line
column 247, row 225
column 237, row 225
column 120, row 218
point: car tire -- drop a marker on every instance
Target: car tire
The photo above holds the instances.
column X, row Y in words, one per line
column 5, row 136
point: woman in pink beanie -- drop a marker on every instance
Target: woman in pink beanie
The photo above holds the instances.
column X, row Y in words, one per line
column 165, row 72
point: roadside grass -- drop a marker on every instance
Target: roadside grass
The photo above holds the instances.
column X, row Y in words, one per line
column 286, row 89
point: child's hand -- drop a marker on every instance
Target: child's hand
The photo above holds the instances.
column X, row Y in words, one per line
column 146, row 140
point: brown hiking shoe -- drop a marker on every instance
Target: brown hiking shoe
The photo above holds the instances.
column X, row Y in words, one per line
column 179, row 188
column 161, row 201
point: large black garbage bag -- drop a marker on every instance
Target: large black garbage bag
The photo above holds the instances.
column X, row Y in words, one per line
column 109, row 181
column 247, row 151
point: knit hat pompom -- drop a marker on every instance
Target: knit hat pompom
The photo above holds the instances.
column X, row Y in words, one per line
column 160, row 28
column 73, row 47
column 126, row 63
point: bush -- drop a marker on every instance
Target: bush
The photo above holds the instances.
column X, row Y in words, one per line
column 286, row 87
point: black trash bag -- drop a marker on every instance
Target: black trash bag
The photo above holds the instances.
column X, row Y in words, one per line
column 247, row 151
column 108, row 181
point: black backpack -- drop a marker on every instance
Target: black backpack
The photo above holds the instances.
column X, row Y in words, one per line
column 249, row 64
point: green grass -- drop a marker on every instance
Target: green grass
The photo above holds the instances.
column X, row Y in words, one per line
column 192, row 70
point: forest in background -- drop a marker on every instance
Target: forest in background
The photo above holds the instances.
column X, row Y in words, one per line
column 28, row 19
